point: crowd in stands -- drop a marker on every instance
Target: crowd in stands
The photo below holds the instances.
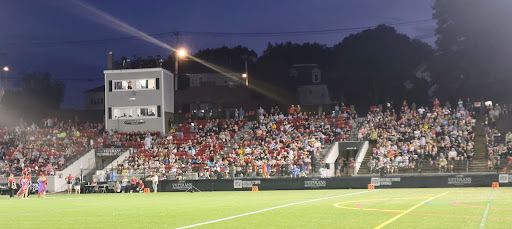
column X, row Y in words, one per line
column 277, row 144
column 45, row 149
column 438, row 135
column 499, row 148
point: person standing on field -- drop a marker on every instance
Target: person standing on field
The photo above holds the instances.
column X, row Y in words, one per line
column 11, row 182
column 124, row 184
column 69, row 181
column 155, row 183
column 133, row 182
column 77, row 185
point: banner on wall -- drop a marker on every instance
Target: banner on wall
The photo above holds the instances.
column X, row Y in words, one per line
column 504, row 178
column 245, row 183
column 315, row 183
column 384, row 181
column 459, row 180
column 181, row 185
column 109, row 152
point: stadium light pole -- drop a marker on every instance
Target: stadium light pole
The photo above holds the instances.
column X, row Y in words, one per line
column 246, row 79
column 3, row 74
column 180, row 53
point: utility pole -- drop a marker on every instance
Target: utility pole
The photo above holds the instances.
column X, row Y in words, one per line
column 176, row 57
column 247, row 73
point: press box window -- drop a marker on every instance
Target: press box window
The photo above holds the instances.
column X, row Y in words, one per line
column 145, row 84
column 123, row 85
column 146, row 112
column 123, row 113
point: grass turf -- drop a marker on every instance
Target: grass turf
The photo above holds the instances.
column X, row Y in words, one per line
column 457, row 208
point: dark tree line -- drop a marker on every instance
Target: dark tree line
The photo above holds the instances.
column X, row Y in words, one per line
column 473, row 48
column 373, row 66
column 38, row 94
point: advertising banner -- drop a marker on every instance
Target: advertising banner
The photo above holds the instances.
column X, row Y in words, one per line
column 109, row 152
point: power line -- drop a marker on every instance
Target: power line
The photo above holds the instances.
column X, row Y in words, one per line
column 308, row 32
column 219, row 34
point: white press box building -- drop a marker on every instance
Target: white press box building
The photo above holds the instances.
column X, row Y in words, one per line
column 138, row 99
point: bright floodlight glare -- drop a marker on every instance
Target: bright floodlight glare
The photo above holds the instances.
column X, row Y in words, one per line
column 6, row 68
column 244, row 75
column 109, row 20
column 182, row 52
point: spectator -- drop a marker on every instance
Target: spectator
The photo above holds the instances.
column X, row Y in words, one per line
column 117, row 187
column 450, row 164
column 95, row 186
column 508, row 138
column 155, row 183
column 78, row 182
column 124, row 184
column 452, row 154
column 133, row 183
column 442, row 165
column 69, row 180
column 102, row 177
column 141, row 186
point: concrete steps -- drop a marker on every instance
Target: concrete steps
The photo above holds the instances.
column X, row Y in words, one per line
column 479, row 163
column 363, row 169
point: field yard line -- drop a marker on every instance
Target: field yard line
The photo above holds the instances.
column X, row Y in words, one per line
column 407, row 211
column 486, row 212
column 272, row 208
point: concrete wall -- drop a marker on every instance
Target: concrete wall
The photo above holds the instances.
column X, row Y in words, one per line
column 360, row 156
column 168, row 88
column 162, row 96
column 319, row 95
column 57, row 183
column 331, row 157
column 334, row 152
column 114, row 163
column 359, row 182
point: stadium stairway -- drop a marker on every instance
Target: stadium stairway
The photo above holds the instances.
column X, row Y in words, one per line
column 238, row 135
column 479, row 162
column 327, row 148
column 363, row 169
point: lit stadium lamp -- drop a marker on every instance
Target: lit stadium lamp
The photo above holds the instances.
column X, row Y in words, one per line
column 246, row 79
column 182, row 52
column 6, row 69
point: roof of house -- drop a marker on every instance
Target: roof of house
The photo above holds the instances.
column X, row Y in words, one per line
column 96, row 89
column 303, row 74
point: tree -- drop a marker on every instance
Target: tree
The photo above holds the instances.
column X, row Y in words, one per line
column 38, row 93
column 232, row 59
column 274, row 64
column 473, row 48
column 378, row 65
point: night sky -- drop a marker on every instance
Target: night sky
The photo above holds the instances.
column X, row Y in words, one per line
column 43, row 36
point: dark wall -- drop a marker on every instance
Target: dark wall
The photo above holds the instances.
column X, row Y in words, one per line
column 439, row 181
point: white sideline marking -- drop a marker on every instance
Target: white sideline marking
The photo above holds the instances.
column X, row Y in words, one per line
column 272, row 208
column 486, row 212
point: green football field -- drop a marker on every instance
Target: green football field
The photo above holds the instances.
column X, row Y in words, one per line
column 355, row 208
